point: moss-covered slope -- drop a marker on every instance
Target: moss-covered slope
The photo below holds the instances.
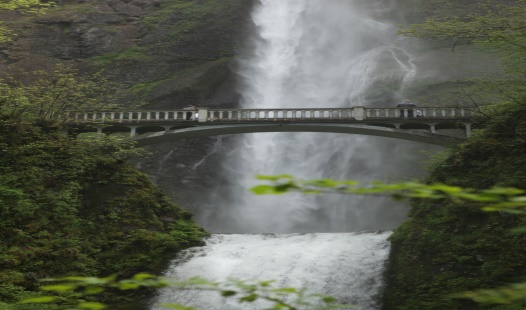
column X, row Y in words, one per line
column 447, row 247
column 78, row 207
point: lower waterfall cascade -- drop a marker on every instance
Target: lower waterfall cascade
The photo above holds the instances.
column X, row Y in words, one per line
column 349, row 266
column 306, row 53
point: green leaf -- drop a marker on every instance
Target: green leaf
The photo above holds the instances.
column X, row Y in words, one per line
column 288, row 290
column 39, row 300
column 228, row 293
column 59, row 288
column 265, row 190
column 143, row 276
column 92, row 290
column 91, row 306
column 328, row 299
column 249, row 298
column 128, row 285
column 274, row 177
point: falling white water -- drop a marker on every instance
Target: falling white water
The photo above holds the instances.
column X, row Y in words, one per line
column 313, row 53
column 314, row 261
column 307, row 53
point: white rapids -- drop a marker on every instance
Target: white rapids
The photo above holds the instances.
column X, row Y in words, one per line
column 322, row 263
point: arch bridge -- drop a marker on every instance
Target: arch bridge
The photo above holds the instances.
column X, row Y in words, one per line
column 426, row 124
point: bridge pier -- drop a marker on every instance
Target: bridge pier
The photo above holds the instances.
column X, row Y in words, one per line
column 359, row 113
column 432, row 128
column 133, row 131
column 468, row 129
column 202, row 115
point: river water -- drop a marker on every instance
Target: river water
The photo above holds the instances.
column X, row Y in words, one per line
column 307, row 53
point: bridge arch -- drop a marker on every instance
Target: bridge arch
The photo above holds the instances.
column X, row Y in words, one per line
column 208, row 131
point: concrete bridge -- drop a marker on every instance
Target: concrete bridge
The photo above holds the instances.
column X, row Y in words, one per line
column 425, row 125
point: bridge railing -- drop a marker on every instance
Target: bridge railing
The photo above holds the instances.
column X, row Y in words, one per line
column 442, row 112
column 130, row 116
column 259, row 115
column 279, row 114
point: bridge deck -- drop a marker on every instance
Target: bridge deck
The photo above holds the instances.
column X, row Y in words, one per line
column 400, row 123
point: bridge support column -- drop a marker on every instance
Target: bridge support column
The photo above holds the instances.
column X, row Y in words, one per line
column 468, row 129
column 359, row 113
column 133, row 131
column 99, row 130
column 432, row 128
column 202, row 115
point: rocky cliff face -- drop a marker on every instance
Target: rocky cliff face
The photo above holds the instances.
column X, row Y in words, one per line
column 168, row 53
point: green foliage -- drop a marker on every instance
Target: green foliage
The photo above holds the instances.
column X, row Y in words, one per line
column 290, row 298
column 133, row 54
column 24, row 6
column 435, row 253
column 30, row 6
column 181, row 19
column 76, row 206
column 449, row 246
column 499, row 29
column 48, row 95
column 512, row 200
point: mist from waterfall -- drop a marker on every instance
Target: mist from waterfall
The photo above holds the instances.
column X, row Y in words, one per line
column 307, row 54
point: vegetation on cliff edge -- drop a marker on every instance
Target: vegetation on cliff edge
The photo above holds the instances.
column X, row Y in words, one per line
column 75, row 206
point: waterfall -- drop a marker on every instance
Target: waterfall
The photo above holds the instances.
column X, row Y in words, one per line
column 307, row 53
column 316, row 261
column 312, row 53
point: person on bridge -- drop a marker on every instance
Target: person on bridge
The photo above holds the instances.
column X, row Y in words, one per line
column 406, row 105
column 189, row 114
